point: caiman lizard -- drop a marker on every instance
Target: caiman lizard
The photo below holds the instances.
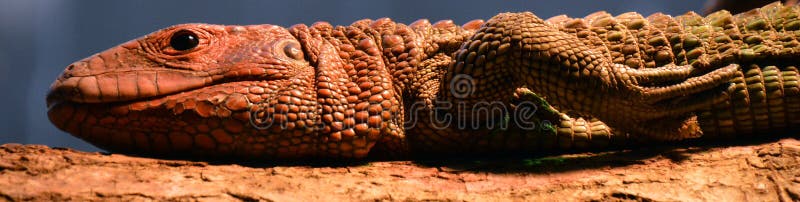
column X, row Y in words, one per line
column 515, row 83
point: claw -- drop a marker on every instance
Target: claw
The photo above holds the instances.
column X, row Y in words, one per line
column 663, row 74
column 679, row 128
column 689, row 104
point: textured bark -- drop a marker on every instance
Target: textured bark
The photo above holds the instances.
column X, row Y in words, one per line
column 756, row 172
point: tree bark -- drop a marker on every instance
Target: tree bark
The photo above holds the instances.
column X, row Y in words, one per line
column 756, row 172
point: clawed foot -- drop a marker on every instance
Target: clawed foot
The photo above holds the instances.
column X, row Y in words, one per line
column 650, row 86
column 673, row 95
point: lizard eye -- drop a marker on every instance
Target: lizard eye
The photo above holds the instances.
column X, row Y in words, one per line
column 293, row 51
column 183, row 40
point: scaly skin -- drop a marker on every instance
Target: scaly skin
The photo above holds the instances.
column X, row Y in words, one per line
column 379, row 87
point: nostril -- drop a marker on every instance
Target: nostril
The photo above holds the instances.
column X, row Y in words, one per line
column 78, row 66
column 73, row 68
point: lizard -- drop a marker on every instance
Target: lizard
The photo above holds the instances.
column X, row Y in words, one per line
column 382, row 88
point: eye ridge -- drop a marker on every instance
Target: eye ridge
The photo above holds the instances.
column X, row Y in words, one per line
column 184, row 40
column 293, row 51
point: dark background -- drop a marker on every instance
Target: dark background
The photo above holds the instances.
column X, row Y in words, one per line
column 38, row 38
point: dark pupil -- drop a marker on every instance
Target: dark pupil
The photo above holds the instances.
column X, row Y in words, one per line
column 183, row 40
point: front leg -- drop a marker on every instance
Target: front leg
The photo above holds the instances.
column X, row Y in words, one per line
column 515, row 50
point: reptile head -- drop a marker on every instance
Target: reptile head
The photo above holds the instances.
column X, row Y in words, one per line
column 192, row 89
